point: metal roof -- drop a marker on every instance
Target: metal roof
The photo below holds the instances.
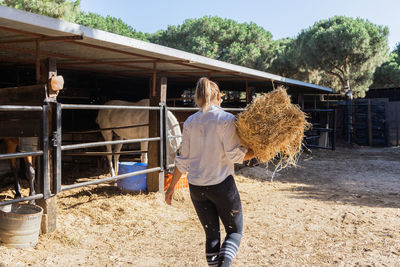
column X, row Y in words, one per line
column 83, row 48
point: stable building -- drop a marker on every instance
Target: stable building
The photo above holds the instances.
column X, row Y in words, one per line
column 55, row 75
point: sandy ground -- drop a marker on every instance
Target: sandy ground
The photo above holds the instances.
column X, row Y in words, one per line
column 338, row 208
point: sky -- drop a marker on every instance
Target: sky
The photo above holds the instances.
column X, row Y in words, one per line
column 283, row 18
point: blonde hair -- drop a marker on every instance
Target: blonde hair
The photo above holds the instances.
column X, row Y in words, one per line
column 206, row 93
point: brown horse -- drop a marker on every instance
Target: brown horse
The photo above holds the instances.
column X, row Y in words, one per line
column 11, row 147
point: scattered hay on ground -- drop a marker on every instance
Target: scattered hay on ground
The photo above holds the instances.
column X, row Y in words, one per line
column 340, row 209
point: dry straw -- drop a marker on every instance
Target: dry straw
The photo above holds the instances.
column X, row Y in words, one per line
column 273, row 128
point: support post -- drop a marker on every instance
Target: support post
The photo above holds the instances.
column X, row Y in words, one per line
column 155, row 181
column 37, row 62
column 57, row 143
column 249, row 93
column 49, row 201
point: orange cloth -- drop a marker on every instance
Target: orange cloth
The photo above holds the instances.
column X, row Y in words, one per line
column 182, row 183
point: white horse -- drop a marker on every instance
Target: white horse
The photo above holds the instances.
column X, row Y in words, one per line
column 114, row 118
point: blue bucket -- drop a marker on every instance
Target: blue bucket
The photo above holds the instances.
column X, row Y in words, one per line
column 132, row 183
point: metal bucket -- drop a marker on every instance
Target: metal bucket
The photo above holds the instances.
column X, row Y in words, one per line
column 28, row 144
column 20, row 225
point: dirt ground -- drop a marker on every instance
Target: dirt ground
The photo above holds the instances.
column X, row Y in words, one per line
column 338, row 208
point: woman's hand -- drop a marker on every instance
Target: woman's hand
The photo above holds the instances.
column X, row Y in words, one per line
column 249, row 155
column 168, row 195
column 171, row 189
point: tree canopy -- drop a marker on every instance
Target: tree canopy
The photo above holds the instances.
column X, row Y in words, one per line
column 60, row 9
column 244, row 44
column 388, row 74
column 109, row 24
column 346, row 49
column 69, row 10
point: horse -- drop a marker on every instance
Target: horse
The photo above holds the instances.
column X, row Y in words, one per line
column 121, row 118
column 24, row 144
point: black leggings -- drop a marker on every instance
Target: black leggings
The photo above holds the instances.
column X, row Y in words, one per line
column 214, row 202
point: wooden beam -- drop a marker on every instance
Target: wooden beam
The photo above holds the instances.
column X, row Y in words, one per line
column 112, row 73
column 23, row 95
column 163, row 90
column 43, row 53
column 52, row 74
column 240, row 79
column 197, row 73
column 126, row 66
column 20, row 127
column 99, row 62
column 112, row 50
column 17, row 60
column 154, row 81
column 8, row 29
column 155, row 181
column 43, row 39
column 206, row 73
column 37, row 62
column 196, row 67
column 58, row 55
column 248, row 93
column 49, row 202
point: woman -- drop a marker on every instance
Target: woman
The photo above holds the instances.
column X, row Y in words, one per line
column 210, row 147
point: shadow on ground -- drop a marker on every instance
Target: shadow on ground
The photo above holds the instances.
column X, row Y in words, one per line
column 354, row 176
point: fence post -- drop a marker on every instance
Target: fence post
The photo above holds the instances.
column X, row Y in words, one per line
column 162, row 137
column 155, row 181
column 48, row 203
column 167, row 139
column 57, row 145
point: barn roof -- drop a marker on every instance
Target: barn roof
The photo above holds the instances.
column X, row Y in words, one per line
column 78, row 47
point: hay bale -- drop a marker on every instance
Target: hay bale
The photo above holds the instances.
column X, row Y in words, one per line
column 273, row 127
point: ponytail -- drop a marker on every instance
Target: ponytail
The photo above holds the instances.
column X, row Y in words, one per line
column 206, row 93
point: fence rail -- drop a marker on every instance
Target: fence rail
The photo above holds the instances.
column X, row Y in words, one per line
column 8, row 202
column 197, row 109
column 99, row 107
column 96, row 144
column 44, row 144
column 110, row 179
column 20, row 108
